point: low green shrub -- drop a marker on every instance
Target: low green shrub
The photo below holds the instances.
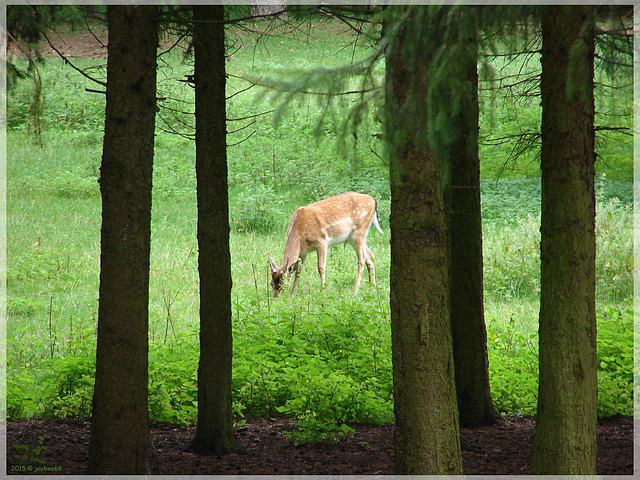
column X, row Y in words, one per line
column 173, row 384
column 62, row 387
column 513, row 360
column 615, row 360
column 324, row 363
column 259, row 209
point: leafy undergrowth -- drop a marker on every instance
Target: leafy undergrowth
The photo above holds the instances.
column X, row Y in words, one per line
column 325, row 364
column 513, row 360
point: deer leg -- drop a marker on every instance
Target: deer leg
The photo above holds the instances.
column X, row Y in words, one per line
column 322, row 262
column 369, row 259
column 297, row 268
column 360, row 252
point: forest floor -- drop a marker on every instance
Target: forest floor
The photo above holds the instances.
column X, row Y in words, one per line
column 61, row 447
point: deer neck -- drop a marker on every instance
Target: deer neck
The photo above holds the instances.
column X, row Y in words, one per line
column 292, row 250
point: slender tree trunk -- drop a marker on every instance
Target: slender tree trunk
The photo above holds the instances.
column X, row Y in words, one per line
column 467, row 301
column 118, row 443
column 214, row 432
column 565, row 441
column 426, row 439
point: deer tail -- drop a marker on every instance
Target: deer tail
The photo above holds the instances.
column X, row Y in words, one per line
column 375, row 219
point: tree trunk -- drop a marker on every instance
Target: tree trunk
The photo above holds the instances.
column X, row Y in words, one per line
column 565, row 441
column 426, row 439
column 467, row 302
column 118, row 443
column 214, row 433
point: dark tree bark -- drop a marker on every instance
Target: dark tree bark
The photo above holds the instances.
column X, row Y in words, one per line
column 467, row 300
column 565, row 440
column 214, row 434
column 118, row 443
column 426, row 438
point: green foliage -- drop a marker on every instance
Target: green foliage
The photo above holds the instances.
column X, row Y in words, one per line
column 67, row 184
column 510, row 111
column 70, row 385
column 510, row 200
column 513, row 360
column 173, row 387
column 513, row 357
column 26, row 26
column 61, row 386
column 615, row 360
column 258, row 209
column 511, row 229
column 174, row 176
column 325, row 361
column 64, row 102
column 310, row 429
column 614, row 249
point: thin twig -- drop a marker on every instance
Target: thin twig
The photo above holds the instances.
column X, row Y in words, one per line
column 68, row 62
column 241, row 128
column 243, row 140
column 249, row 116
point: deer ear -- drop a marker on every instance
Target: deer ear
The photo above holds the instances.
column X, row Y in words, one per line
column 274, row 267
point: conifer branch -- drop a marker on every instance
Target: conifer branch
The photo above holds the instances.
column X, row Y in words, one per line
column 623, row 130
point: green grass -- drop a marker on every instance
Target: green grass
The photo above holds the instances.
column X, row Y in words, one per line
column 321, row 357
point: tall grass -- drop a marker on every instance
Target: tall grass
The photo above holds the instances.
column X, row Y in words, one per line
column 321, row 357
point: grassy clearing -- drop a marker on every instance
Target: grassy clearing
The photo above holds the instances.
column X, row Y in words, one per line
column 52, row 304
column 321, row 357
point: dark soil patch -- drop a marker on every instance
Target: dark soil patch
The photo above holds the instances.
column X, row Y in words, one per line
column 83, row 43
column 61, row 447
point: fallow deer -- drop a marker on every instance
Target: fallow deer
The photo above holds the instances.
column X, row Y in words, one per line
column 334, row 220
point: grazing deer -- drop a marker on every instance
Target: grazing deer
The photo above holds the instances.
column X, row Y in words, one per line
column 334, row 220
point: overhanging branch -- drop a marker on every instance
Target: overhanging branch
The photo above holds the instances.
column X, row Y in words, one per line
column 68, row 62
